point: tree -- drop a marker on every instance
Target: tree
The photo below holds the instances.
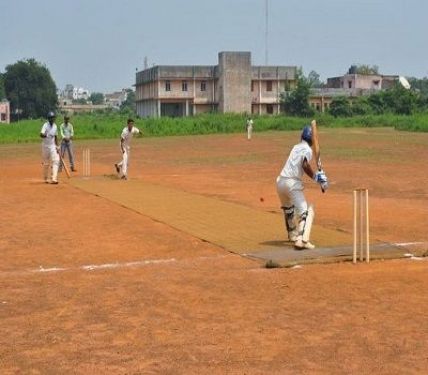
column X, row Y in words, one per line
column 420, row 85
column 129, row 103
column 30, row 89
column 296, row 102
column 2, row 92
column 80, row 101
column 363, row 69
column 314, row 80
column 97, row 98
column 361, row 106
column 400, row 100
column 340, row 107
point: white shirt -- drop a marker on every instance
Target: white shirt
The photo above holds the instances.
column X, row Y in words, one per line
column 249, row 124
column 293, row 168
column 127, row 135
column 67, row 130
column 51, row 132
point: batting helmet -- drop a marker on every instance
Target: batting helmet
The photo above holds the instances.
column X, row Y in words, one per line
column 50, row 114
column 307, row 134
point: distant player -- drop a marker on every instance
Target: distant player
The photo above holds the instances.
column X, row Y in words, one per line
column 125, row 146
column 290, row 191
column 50, row 149
column 67, row 134
column 249, row 127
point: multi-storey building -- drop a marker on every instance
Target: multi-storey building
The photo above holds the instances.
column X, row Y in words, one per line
column 4, row 112
column 234, row 85
column 350, row 85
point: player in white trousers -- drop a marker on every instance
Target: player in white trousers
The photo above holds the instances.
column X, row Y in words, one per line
column 125, row 145
column 290, row 191
column 249, row 127
column 50, row 149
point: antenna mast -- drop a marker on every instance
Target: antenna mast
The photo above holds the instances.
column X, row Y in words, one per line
column 266, row 31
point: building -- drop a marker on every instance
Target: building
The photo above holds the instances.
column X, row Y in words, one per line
column 75, row 93
column 4, row 112
column 115, row 99
column 350, row 86
column 362, row 81
column 71, row 109
column 233, row 85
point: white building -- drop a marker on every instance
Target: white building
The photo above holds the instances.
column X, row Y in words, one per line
column 81, row 93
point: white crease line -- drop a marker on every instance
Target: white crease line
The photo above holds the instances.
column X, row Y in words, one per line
column 53, row 269
column 408, row 243
column 95, row 267
column 92, row 267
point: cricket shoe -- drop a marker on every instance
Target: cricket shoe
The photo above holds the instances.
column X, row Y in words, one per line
column 124, row 178
column 302, row 245
column 54, row 183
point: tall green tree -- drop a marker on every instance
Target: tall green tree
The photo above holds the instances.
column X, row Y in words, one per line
column 420, row 84
column 30, row 89
column 97, row 98
column 129, row 104
column 2, row 92
column 296, row 102
column 314, row 80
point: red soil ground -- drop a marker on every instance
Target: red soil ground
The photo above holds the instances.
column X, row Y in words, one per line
column 193, row 307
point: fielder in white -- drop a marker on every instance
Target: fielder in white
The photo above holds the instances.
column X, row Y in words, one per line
column 125, row 145
column 249, row 126
column 50, row 149
column 298, row 214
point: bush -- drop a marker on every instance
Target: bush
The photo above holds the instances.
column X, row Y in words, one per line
column 340, row 107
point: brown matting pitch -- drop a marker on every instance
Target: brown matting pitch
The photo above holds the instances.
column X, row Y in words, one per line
column 236, row 228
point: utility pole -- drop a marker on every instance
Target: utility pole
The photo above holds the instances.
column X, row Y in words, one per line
column 266, row 31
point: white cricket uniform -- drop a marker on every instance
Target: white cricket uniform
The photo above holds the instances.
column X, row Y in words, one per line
column 49, row 151
column 289, row 183
column 126, row 136
column 249, row 129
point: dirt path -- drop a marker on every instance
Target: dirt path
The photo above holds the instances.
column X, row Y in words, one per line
column 87, row 286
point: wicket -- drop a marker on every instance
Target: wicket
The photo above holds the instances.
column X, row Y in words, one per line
column 86, row 162
column 361, row 224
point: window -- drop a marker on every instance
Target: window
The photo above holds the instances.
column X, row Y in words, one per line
column 318, row 107
column 184, row 86
column 3, row 117
column 203, row 86
column 350, row 84
column 252, row 86
column 167, row 86
column 268, row 85
column 269, row 109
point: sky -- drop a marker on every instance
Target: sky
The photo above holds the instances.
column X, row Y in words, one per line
column 98, row 44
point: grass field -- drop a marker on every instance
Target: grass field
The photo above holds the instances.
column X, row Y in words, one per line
column 108, row 126
column 91, row 284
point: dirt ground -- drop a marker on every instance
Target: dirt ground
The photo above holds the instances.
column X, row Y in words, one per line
column 90, row 287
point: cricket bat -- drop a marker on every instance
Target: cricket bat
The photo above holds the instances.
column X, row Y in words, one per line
column 316, row 146
column 67, row 172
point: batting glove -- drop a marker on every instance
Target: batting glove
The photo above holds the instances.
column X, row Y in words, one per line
column 320, row 177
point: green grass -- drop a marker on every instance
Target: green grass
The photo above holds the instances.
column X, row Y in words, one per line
column 107, row 126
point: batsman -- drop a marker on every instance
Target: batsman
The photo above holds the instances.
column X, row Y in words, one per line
column 298, row 214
